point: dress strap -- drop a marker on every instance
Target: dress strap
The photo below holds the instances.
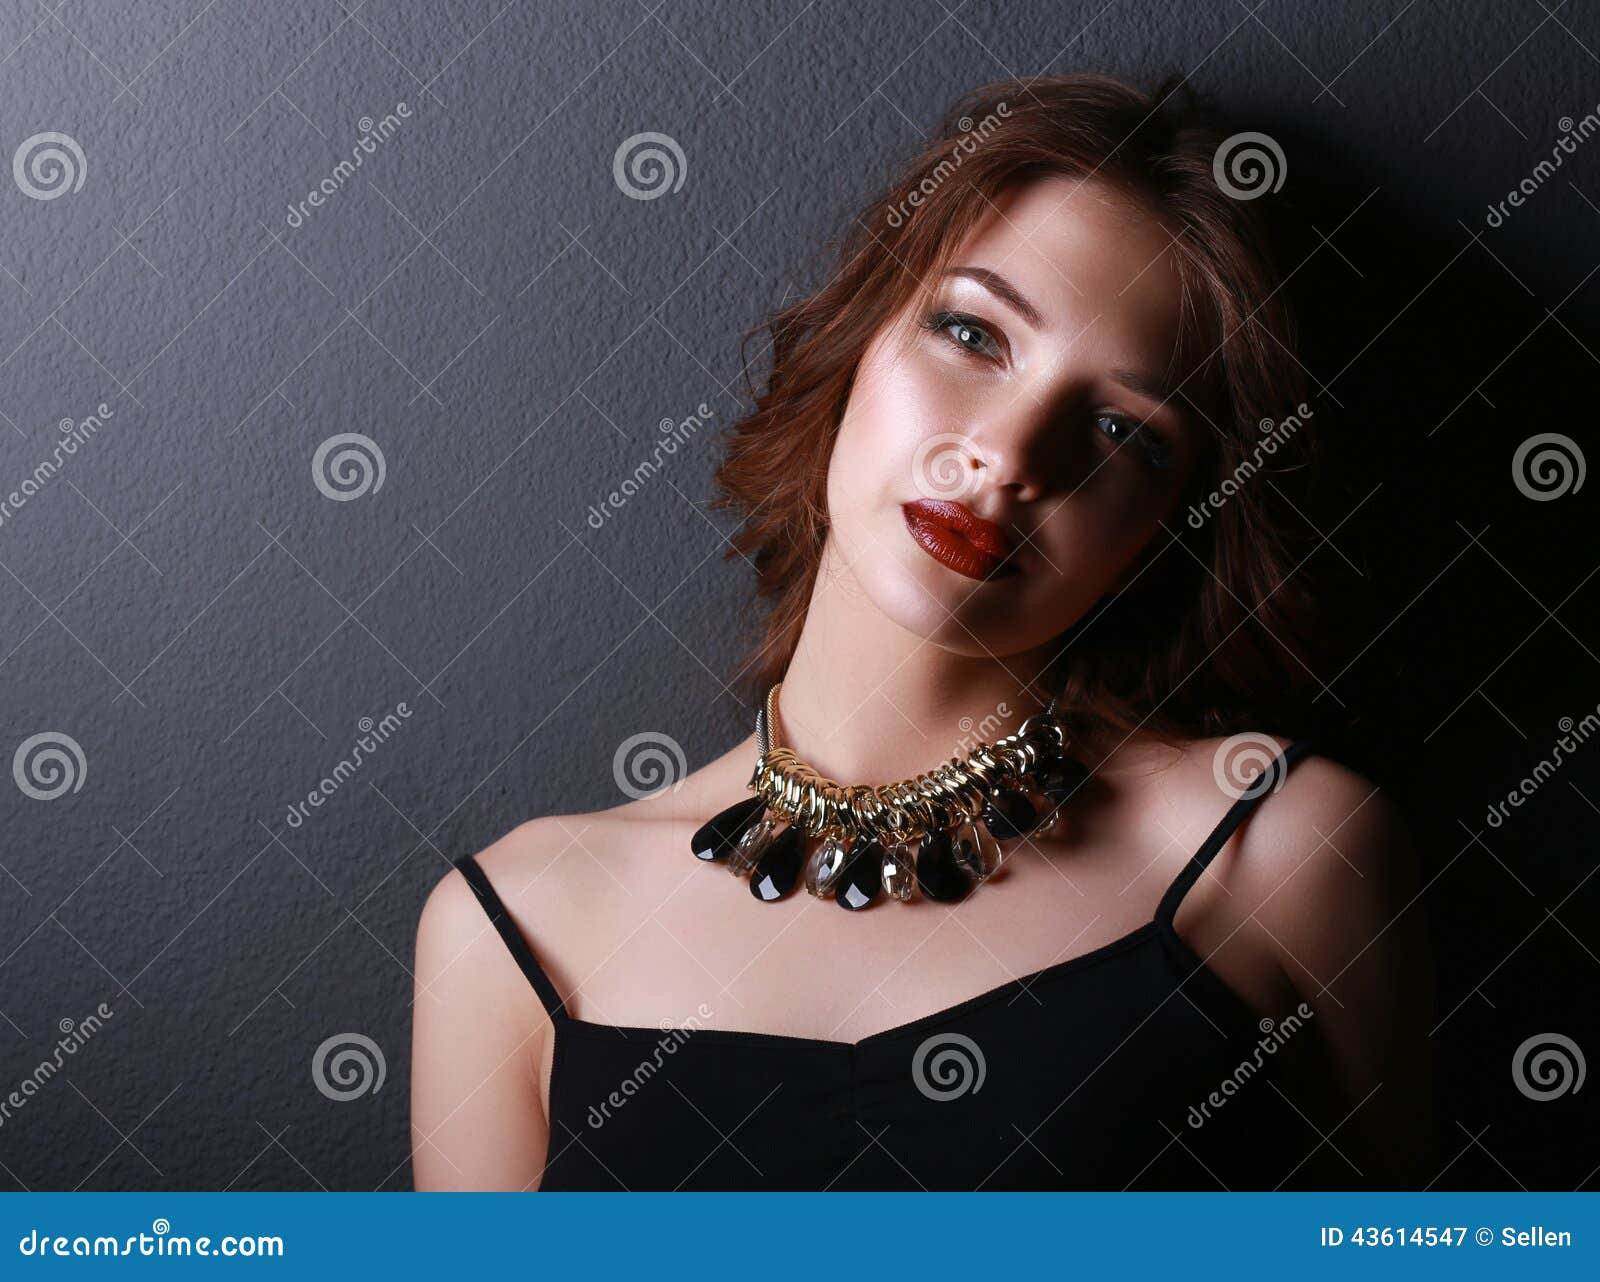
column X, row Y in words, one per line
column 496, row 910
column 1268, row 781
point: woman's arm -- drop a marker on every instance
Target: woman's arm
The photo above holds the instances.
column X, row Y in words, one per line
column 1346, row 918
column 478, row 1037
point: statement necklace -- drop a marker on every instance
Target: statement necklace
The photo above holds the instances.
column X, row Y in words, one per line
column 939, row 833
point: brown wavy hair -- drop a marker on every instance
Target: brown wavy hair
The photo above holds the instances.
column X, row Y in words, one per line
column 1217, row 633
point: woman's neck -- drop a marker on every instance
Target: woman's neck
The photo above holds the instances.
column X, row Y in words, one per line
column 865, row 701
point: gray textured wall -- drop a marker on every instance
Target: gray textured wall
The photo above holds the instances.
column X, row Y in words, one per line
column 185, row 604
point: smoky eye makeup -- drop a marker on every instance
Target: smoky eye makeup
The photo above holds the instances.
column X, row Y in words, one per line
column 969, row 333
column 1151, row 446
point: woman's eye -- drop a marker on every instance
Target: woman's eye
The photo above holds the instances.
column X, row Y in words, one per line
column 1120, row 431
column 966, row 332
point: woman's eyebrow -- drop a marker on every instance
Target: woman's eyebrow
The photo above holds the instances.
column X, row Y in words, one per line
column 1004, row 290
column 1149, row 385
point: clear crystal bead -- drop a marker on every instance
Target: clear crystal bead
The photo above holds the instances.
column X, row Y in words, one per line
column 753, row 845
column 825, row 864
column 976, row 850
column 899, row 871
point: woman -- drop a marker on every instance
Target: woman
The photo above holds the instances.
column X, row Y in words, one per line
column 1016, row 490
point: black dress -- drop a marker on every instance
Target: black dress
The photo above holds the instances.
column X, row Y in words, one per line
column 1131, row 1066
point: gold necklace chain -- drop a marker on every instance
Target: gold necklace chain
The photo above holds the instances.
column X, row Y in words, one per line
column 896, row 812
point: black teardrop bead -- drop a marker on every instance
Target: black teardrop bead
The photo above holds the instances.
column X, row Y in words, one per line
column 939, row 876
column 1059, row 780
column 860, row 881
column 718, row 836
column 1009, row 813
column 777, row 872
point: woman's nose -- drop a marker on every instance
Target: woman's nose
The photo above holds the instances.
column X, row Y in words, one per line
column 1020, row 446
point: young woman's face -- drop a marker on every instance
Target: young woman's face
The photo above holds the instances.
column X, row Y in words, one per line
column 1033, row 391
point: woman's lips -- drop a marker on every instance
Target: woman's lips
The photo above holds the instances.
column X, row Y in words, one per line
column 958, row 539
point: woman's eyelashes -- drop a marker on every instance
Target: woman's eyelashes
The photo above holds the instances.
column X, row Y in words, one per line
column 976, row 338
column 968, row 333
column 1152, row 449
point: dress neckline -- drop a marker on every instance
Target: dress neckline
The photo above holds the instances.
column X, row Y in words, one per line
column 1155, row 929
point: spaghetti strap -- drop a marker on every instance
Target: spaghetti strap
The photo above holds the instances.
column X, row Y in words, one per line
column 496, row 910
column 1268, row 781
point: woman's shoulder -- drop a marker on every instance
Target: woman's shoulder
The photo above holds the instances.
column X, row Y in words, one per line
column 1321, row 844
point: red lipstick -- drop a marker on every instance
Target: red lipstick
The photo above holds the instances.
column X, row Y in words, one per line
column 953, row 535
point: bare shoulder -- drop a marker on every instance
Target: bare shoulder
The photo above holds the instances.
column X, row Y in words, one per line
column 1325, row 859
column 569, row 882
